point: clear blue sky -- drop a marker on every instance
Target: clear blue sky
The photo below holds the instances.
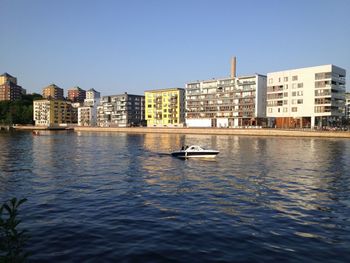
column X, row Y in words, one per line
column 133, row 46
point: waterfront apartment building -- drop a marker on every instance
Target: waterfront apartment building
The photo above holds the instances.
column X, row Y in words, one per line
column 9, row 90
column 75, row 107
column 52, row 113
column 87, row 114
column 306, row 97
column 76, row 94
column 123, row 110
column 347, row 105
column 53, row 92
column 227, row 102
column 165, row 107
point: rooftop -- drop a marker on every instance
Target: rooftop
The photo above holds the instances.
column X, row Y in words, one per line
column 227, row 78
column 93, row 90
column 52, row 86
column 6, row 75
column 310, row 68
column 76, row 88
column 161, row 90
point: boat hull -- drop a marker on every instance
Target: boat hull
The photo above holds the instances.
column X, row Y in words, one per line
column 204, row 154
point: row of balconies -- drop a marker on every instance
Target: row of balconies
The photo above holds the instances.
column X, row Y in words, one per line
column 198, row 98
column 213, row 115
column 249, row 109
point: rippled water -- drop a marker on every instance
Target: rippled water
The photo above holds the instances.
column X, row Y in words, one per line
column 112, row 197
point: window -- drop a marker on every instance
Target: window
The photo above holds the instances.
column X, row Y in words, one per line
column 300, row 101
column 285, row 94
column 279, row 79
column 294, row 85
column 294, row 78
column 294, row 109
column 294, row 101
column 270, row 81
column 285, row 102
column 294, row 93
column 300, row 93
column 270, row 110
column 300, row 85
column 286, row 86
column 285, row 109
column 285, row 79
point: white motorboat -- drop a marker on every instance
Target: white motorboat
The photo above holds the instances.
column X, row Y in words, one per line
column 194, row 151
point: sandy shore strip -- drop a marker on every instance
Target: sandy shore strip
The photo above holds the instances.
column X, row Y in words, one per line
column 222, row 131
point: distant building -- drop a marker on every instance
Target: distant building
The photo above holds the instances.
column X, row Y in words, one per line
column 123, row 110
column 9, row 90
column 306, row 97
column 165, row 107
column 53, row 92
column 76, row 94
column 52, row 113
column 87, row 114
column 227, row 102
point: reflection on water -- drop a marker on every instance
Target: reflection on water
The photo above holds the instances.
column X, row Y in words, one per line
column 115, row 197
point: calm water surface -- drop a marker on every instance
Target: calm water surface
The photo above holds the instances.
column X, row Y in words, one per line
column 112, row 197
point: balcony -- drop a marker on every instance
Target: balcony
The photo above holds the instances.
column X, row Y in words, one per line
column 339, row 79
column 272, row 89
column 242, row 83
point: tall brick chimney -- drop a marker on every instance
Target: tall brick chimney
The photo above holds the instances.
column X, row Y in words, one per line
column 233, row 67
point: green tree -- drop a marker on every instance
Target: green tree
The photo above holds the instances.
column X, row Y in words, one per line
column 12, row 240
column 19, row 111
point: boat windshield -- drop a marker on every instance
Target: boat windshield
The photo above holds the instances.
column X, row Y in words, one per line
column 194, row 148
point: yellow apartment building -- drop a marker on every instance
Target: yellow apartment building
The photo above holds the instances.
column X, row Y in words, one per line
column 165, row 107
column 52, row 113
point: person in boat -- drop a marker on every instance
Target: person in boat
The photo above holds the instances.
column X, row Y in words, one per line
column 182, row 148
column 186, row 147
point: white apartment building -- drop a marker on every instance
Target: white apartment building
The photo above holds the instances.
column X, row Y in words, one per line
column 228, row 102
column 87, row 114
column 306, row 97
column 41, row 112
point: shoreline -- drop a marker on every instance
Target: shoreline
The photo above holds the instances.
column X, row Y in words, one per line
column 221, row 131
column 202, row 131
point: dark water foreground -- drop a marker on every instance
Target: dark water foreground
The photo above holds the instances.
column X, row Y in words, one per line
column 96, row 197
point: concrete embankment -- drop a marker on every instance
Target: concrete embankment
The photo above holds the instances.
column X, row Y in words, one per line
column 32, row 127
column 28, row 127
column 222, row 131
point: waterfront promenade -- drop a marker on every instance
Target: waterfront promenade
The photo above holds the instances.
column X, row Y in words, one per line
column 222, row 131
